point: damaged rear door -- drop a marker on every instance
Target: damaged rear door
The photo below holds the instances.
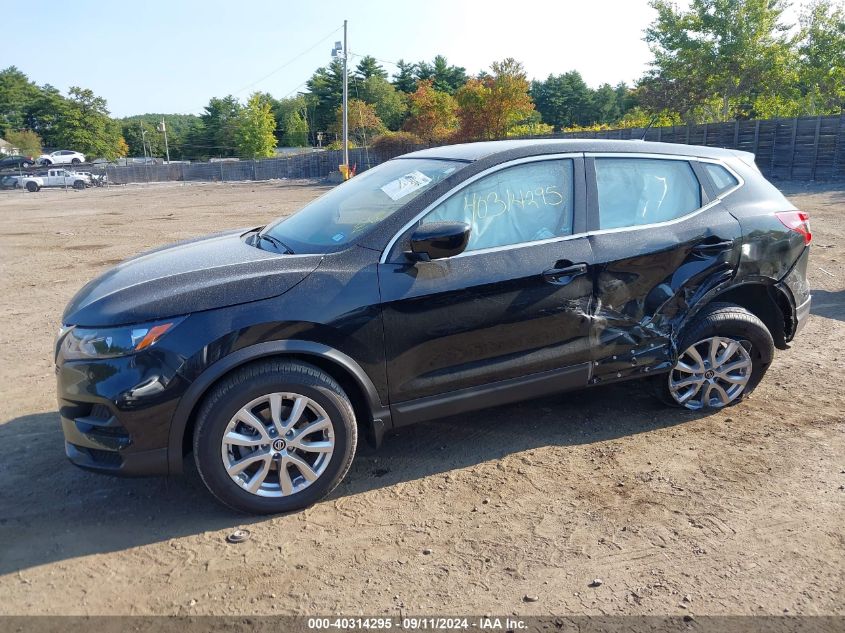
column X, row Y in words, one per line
column 659, row 244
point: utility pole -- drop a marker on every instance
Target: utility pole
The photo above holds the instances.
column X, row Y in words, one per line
column 345, row 107
column 144, row 145
column 345, row 100
column 163, row 128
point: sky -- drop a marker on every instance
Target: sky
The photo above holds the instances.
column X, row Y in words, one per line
column 159, row 56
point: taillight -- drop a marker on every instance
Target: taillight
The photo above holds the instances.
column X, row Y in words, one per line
column 798, row 221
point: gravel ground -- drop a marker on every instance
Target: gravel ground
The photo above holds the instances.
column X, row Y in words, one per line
column 737, row 512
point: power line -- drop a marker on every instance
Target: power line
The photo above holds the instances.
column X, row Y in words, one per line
column 290, row 61
column 285, row 65
column 383, row 61
column 285, row 96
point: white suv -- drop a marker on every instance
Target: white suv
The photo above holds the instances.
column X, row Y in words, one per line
column 61, row 157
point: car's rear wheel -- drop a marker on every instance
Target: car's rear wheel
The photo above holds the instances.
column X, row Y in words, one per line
column 32, row 187
column 79, row 184
column 75, row 161
column 723, row 355
column 275, row 436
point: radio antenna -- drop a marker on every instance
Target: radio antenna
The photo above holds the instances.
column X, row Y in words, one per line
column 648, row 127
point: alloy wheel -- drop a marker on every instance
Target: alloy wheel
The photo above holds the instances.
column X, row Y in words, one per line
column 711, row 373
column 278, row 444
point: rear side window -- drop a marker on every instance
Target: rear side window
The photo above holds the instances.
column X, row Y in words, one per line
column 721, row 177
column 515, row 205
column 635, row 191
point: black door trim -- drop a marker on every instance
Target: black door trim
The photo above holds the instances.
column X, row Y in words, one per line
column 492, row 394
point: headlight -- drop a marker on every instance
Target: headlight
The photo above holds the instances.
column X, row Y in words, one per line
column 80, row 342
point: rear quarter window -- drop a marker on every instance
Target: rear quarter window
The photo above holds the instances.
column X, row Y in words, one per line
column 637, row 191
column 721, row 177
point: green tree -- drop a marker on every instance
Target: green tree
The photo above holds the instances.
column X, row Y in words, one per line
column 731, row 49
column 564, row 100
column 405, row 79
column 444, row 77
column 532, row 127
column 489, row 107
column 254, row 128
column 821, row 52
column 84, row 125
column 364, row 124
column 296, row 129
column 179, row 127
column 292, row 121
column 610, row 103
column 433, row 114
column 369, row 67
column 17, row 94
column 326, row 88
column 139, row 134
column 44, row 114
column 195, row 144
column 27, row 141
column 24, row 105
column 216, row 135
column 390, row 104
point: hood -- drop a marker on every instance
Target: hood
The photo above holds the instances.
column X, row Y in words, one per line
column 211, row 272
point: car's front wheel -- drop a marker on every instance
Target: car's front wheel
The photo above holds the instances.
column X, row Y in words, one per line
column 723, row 355
column 275, row 436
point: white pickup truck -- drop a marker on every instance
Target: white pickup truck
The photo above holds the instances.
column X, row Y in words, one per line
column 55, row 178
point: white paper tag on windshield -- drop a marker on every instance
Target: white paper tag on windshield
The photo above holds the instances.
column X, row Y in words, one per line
column 406, row 184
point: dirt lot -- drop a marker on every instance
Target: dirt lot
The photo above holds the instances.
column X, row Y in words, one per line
column 740, row 512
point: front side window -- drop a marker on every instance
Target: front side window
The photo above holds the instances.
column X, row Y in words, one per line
column 636, row 191
column 515, row 205
column 350, row 210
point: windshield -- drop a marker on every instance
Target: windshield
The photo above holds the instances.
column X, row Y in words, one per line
column 350, row 210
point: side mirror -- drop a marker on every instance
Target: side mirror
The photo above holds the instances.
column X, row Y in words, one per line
column 438, row 240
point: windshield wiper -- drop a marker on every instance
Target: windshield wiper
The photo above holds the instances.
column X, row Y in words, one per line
column 279, row 244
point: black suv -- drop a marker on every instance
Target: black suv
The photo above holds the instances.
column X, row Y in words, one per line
column 445, row 280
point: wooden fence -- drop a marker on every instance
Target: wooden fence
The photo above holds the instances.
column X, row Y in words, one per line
column 803, row 148
column 309, row 165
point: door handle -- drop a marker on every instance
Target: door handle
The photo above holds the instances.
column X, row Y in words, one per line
column 709, row 247
column 564, row 272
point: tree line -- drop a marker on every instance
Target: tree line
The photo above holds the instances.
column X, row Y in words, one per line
column 715, row 60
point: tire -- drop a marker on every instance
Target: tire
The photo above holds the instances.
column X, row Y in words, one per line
column 723, row 355
column 46, row 163
column 251, row 389
column 79, row 184
column 75, row 161
column 32, row 187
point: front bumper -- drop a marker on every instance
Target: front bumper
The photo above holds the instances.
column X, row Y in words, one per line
column 143, row 464
column 115, row 413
